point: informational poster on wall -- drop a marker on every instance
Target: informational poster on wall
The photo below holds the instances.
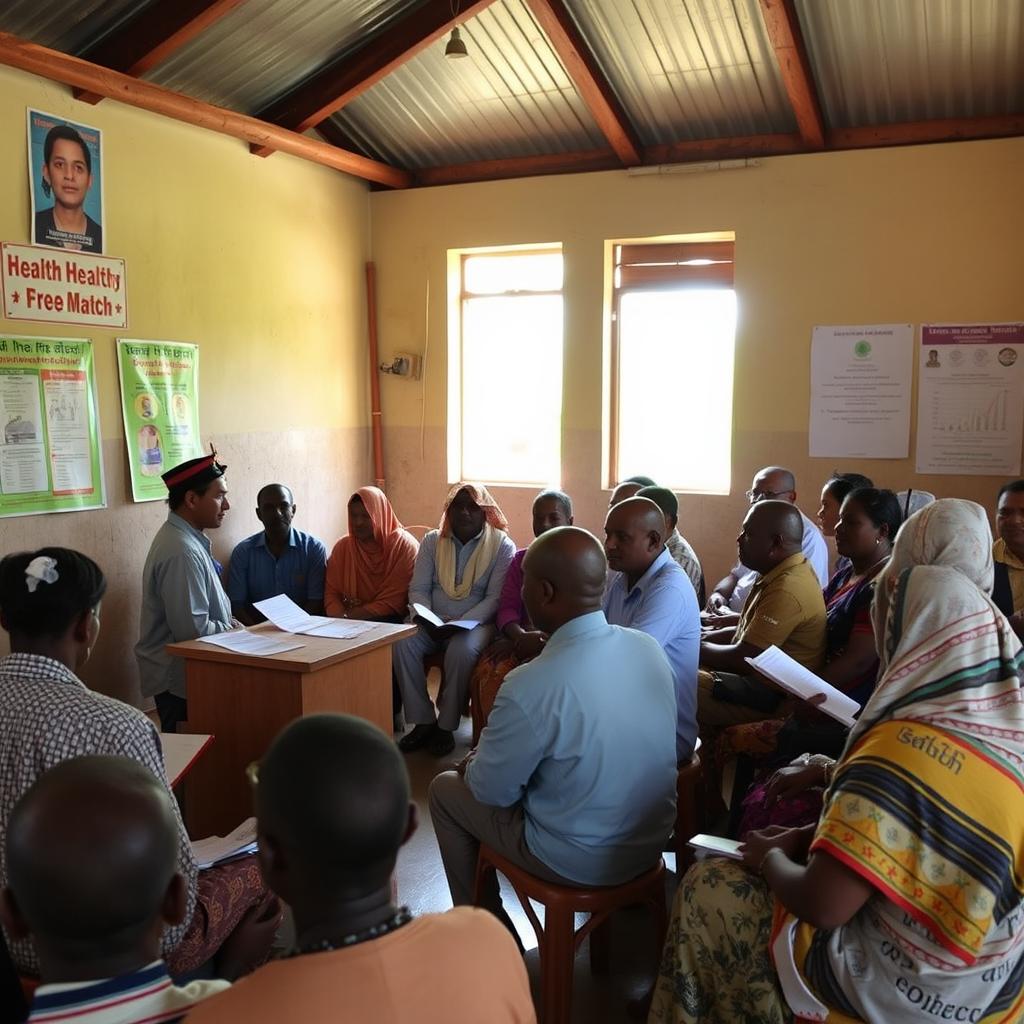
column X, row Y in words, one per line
column 970, row 399
column 50, row 459
column 861, row 380
column 160, row 405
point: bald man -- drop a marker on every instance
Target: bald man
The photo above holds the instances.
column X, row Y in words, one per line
column 649, row 591
column 574, row 775
column 93, row 878
column 785, row 608
column 773, row 483
column 333, row 808
column 627, row 489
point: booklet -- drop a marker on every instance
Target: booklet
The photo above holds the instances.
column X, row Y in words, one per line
column 794, row 678
column 422, row 615
column 284, row 613
column 717, row 844
column 216, row 849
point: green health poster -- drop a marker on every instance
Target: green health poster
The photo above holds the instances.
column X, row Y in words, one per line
column 50, row 459
column 160, row 404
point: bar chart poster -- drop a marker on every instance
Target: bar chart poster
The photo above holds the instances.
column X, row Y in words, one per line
column 970, row 399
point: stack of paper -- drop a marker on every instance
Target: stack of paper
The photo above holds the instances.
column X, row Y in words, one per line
column 284, row 613
column 217, row 849
column 794, row 678
column 244, row 642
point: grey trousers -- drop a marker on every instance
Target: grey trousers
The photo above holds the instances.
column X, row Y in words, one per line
column 460, row 658
column 461, row 824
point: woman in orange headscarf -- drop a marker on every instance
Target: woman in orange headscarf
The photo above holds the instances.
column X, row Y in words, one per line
column 369, row 571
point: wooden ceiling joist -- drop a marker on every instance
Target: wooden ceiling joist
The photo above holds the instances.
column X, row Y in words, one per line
column 520, row 167
column 60, row 67
column 343, row 80
column 735, row 148
column 572, row 49
column 787, row 41
column 149, row 38
column 914, row 133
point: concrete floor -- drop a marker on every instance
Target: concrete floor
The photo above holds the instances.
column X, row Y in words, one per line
column 423, row 888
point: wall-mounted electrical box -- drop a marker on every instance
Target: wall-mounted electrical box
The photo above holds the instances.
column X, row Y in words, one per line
column 405, row 364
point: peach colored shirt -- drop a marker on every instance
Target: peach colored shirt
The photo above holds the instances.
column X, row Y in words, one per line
column 461, row 967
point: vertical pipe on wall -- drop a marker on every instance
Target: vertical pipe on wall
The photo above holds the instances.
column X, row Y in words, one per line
column 375, row 415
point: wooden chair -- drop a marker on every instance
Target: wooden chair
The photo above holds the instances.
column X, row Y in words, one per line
column 558, row 938
column 689, row 809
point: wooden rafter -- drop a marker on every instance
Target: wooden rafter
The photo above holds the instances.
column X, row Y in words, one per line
column 520, row 167
column 150, row 37
column 787, row 41
column 735, row 148
column 343, row 80
column 59, row 67
column 913, row 133
column 572, row 49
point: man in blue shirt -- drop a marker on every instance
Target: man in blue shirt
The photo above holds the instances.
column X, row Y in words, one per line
column 650, row 592
column 280, row 560
column 574, row 776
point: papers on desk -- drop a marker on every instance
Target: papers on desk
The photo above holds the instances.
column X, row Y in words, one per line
column 243, row 642
column 423, row 615
column 217, row 849
column 803, row 683
column 284, row 613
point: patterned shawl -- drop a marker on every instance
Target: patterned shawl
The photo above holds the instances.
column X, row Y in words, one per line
column 495, row 529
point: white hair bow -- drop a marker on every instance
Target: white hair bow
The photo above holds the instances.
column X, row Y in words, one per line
column 40, row 570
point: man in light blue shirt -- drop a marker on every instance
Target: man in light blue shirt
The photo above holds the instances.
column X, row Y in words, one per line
column 278, row 560
column 649, row 591
column 458, row 576
column 574, row 776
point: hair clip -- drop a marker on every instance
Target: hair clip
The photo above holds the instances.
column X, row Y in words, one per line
column 40, row 570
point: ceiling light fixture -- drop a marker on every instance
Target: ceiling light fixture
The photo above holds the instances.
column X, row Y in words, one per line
column 456, row 47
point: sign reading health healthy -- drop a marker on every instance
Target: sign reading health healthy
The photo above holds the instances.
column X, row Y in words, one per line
column 62, row 287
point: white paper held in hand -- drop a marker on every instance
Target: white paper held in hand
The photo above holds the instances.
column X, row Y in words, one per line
column 717, row 844
column 802, row 682
column 421, row 611
column 216, row 849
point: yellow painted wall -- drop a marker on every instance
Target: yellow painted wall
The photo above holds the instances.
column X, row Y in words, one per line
column 911, row 235
column 260, row 262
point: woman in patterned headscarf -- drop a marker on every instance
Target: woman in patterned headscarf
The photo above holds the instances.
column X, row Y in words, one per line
column 906, row 900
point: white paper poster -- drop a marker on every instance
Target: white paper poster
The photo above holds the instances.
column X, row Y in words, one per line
column 970, row 399
column 860, row 391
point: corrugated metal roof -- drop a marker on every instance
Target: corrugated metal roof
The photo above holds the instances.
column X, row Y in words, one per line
column 67, row 25
column 265, row 47
column 688, row 69
column 510, row 97
column 887, row 61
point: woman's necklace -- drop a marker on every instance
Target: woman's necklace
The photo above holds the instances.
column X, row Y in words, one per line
column 402, row 917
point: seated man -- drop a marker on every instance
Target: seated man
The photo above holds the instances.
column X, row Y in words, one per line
column 92, row 878
column 678, row 546
column 278, row 560
column 1008, row 554
column 785, row 608
column 650, row 592
column 730, row 593
column 459, row 572
column 333, row 807
column 574, row 777
column 627, row 489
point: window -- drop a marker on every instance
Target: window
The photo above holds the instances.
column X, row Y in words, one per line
column 505, row 370
column 671, row 366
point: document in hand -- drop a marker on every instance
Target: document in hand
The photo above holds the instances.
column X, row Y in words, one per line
column 216, row 849
column 717, row 844
column 284, row 613
column 422, row 615
column 794, row 678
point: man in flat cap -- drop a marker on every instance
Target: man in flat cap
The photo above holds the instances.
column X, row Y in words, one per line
column 182, row 597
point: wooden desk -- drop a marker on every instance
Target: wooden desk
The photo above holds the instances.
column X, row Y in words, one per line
column 245, row 701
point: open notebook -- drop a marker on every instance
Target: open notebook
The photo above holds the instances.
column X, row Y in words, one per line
column 802, row 682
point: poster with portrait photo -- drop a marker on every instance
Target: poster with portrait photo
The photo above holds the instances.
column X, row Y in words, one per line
column 65, row 171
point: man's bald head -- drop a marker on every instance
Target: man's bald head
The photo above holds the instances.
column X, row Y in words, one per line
column 627, row 489
column 773, row 483
column 634, row 536
column 564, row 574
column 333, row 808
column 772, row 531
column 92, row 852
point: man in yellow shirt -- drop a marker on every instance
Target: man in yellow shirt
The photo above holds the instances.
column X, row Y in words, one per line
column 785, row 608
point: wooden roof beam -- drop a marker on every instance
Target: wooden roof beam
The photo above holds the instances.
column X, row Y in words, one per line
column 149, row 38
column 572, row 49
column 520, row 167
column 341, row 81
column 915, row 133
column 787, row 41
column 78, row 73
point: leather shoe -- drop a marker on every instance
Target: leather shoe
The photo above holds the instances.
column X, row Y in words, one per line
column 441, row 743
column 419, row 737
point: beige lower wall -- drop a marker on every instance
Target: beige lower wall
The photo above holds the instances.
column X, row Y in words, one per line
column 322, row 467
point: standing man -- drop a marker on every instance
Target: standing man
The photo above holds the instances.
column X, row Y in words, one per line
column 648, row 591
column 279, row 560
column 182, row 598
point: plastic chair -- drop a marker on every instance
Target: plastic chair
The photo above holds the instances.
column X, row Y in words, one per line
column 558, row 938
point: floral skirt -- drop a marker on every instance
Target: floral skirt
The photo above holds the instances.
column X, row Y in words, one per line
column 716, row 967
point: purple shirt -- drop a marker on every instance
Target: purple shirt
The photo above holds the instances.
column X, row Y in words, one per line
column 510, row 604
